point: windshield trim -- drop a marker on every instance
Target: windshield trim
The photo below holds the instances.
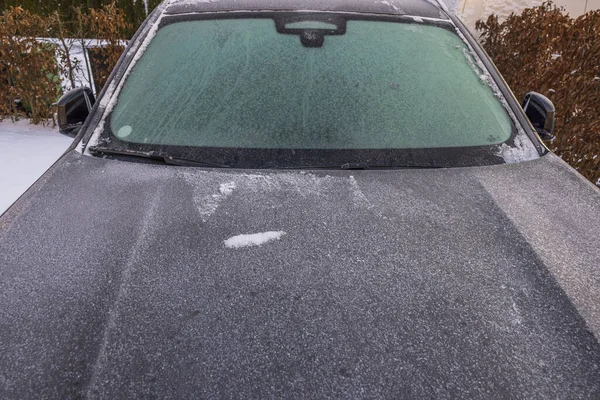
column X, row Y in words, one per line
column 392, row 7
column 199, row 15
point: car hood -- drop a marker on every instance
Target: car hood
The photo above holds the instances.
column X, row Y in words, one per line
column 121, row 279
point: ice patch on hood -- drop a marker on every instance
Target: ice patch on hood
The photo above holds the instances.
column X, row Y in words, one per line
column 226, row 188
column 359, row 196
column 387, row 3
column 523, row 150
column 207, row 202
column 305, row 183
column 255, row 239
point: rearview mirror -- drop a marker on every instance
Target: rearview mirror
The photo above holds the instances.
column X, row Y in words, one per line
column 540, row 111
column 73, row 108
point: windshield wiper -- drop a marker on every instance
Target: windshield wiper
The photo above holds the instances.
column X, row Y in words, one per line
column 363, row 166
column 156, row 155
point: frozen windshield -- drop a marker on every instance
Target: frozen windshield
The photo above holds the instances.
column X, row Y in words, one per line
column 242, row 84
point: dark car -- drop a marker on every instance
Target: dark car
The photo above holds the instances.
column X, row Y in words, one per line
column 303, row 199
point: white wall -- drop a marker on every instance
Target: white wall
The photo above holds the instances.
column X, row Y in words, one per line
column 469, row 11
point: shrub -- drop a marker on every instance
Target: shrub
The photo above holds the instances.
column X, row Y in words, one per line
column 134, row 10
column 546, row 51
column 29, row 72
column 108, row 24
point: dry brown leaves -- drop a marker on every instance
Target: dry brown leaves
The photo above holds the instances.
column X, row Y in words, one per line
column 108, row 24
column 28, row 67
column 29, row 70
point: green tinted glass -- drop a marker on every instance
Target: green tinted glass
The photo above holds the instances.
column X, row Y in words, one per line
column 239, row 83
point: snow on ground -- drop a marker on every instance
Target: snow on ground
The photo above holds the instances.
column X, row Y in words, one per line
column 255, row 239
column 26, row 152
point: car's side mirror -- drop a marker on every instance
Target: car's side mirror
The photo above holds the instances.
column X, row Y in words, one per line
column 73, row 108
column 540, row 111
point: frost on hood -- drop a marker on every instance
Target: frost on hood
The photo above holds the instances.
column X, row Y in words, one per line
column 387, row 3
column 206, row 199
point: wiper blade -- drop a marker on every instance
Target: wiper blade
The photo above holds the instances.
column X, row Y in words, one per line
column 363, row 166
column 337, row 166
column 156, row 155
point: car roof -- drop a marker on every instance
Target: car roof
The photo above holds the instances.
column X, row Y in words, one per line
column 419, row 8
